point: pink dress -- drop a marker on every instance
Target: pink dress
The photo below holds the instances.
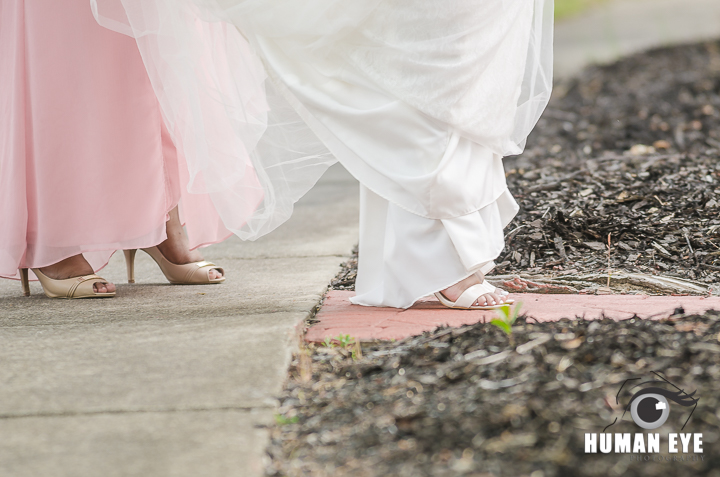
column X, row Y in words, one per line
column 86, row 164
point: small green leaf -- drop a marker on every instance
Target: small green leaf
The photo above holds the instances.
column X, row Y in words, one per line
column 282, row 420
column 504, row 312
column 516, row 312
column 345, row 340
column 502, row 325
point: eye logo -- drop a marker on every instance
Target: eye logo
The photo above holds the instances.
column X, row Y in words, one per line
column 649, row 406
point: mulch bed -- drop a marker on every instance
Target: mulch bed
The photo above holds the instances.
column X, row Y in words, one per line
column 467, row 402
column 627, row 155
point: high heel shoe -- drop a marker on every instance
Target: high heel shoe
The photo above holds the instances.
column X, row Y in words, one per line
column 75, row 287
column 195, row 273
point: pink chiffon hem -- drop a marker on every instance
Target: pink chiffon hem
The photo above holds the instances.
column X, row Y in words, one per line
column 86, row 164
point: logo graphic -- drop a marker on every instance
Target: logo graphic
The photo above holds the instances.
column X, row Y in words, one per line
column 649, row 407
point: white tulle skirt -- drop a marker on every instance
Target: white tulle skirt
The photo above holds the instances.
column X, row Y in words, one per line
column 433, row 203
column 418, row 99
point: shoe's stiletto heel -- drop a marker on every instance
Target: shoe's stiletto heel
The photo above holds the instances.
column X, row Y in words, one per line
column 130, row 264
column 195, row 273
column 25, row 280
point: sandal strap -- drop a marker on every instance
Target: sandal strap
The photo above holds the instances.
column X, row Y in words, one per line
column 83, row 279
column 191, row 275
column 488, row 287
column 471, row 295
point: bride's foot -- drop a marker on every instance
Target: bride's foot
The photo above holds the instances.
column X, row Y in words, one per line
column 453, row 292
column 72, row 267
column 176, row 248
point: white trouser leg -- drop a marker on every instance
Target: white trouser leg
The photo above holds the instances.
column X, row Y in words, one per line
column 403, row 256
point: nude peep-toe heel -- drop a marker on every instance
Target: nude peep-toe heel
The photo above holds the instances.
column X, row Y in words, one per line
column 195, row 273
column 75, row 287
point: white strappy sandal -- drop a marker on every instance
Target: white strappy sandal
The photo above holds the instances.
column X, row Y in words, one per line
column 467, row 298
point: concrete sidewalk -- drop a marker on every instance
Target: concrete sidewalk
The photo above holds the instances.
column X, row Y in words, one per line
column 178, row 381
column 618, row 28
column 167, row 380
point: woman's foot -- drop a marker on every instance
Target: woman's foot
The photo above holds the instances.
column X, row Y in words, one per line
column 177, row 247
column 453, row 292
column 72, row 267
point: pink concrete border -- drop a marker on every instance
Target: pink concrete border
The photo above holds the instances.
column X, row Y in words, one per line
column 338, row 316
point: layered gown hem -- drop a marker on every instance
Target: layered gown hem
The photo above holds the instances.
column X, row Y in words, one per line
column 419, row 102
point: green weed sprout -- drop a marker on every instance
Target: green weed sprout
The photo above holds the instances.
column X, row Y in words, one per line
column 506, row 318
column 345, row 342
column 282, row 420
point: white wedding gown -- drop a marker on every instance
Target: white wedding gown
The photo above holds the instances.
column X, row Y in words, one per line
column 418, row 99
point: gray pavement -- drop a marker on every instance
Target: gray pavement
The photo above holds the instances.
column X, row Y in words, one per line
column 167, row 380
column 618, row 28
column 180, row 380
